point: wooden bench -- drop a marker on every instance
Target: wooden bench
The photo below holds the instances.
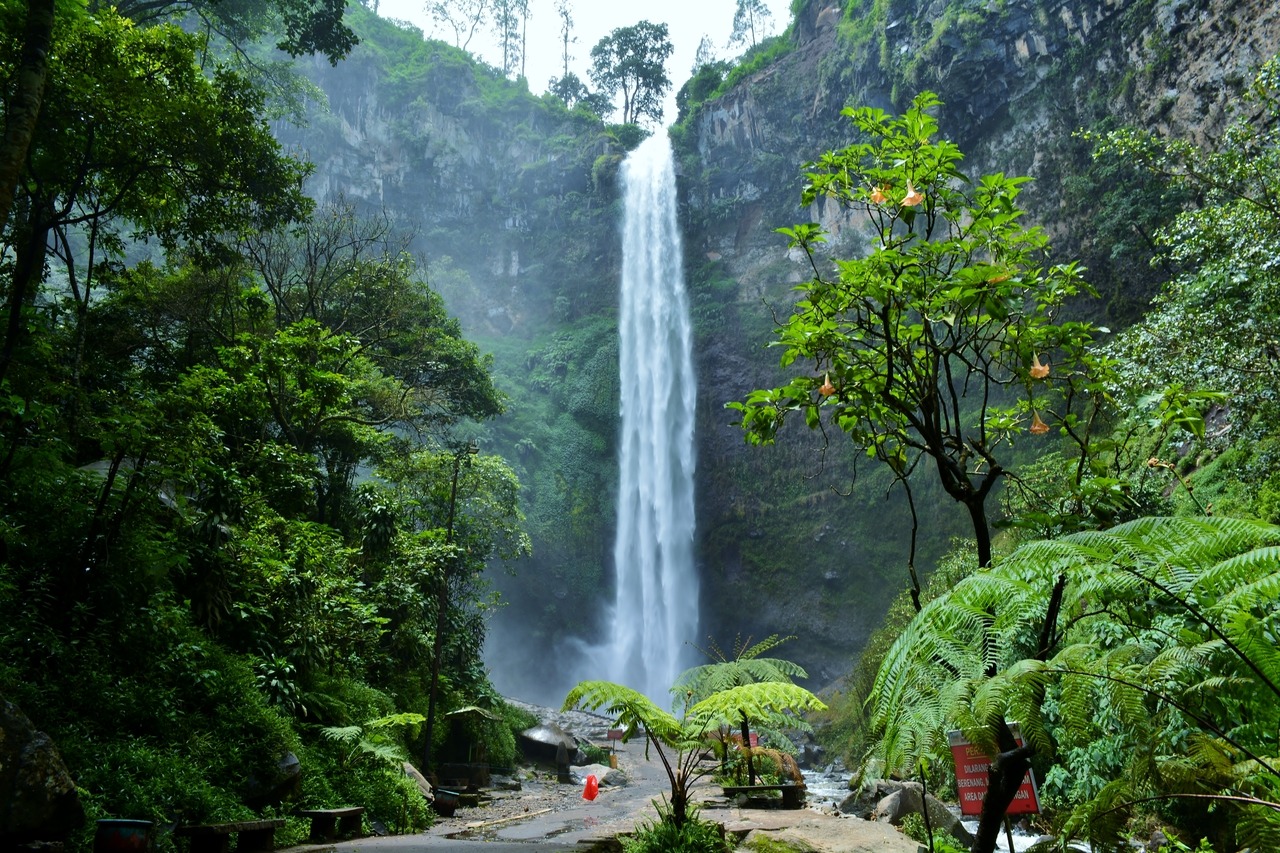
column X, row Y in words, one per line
column 332, row 824
column 792, row 794
column 254, row 836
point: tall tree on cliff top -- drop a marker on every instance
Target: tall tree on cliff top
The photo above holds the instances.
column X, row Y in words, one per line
column 751, row 23
column 566, row 30
column 464, row 17
column 510, row 21
column 631, row 61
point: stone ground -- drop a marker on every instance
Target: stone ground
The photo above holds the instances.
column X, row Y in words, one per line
column 546, row 816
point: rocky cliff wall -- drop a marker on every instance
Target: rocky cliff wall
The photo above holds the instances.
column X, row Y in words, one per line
column 1017, row 80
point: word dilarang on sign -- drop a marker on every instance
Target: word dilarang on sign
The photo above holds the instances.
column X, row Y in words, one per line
column 972, row 765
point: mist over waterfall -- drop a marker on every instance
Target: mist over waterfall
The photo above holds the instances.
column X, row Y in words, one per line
column 656, row 603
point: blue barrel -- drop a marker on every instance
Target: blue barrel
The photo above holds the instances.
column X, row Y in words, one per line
column 116, row 835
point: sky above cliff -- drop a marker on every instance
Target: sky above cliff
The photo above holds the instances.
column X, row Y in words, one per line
column 687, row 22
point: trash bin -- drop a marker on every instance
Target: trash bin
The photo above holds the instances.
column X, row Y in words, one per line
column 118, row 835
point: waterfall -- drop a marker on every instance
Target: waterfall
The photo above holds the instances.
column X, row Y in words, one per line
column 655, row 614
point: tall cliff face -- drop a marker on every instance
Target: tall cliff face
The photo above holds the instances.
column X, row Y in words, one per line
column 1017, row 81
column 513, row 201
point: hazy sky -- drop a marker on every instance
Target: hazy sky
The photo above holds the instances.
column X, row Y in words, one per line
column 687, row 22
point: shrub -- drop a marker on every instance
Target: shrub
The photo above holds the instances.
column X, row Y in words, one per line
column 336, row 775
column 943, row 842
column 663, row 836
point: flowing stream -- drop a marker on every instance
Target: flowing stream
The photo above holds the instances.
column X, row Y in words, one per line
column 655, row 615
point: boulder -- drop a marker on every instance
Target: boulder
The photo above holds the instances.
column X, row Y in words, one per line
column 285, row 785
column 418, row 779
column 506, row 783
column 862, row 801
column 604, row 774
column 910, row 799
column 38, row 800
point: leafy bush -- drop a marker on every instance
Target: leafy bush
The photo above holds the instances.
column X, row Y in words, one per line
column 663, row 836
column 943, row 842
column 134, row 779
column 336, row 775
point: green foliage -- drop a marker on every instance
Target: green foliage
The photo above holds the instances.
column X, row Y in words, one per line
column 686, row 736
column 192, row 583
column 630, row 62
column 747, row 666
column 954, row 301
column 702, row 86
column 375, row 741
column 766, row 53
column 1162, row 694
column 387, row 794
column 665, row 835
column 1221, row 250
column 132, row 127
column 913, row 826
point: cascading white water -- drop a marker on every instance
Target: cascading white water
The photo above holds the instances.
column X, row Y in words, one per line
column 655, row 615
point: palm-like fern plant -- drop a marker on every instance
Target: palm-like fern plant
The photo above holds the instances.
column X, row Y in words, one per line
column 685, row 737
column 747, row 666
column 1165, row 643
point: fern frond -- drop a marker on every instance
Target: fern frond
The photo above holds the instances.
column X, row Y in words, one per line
column 343, row 734
column 1246, row 581
column 1258, row 827
column 1212, row 757
column 407, row 719
column 386, row 753
column 755, row 701
column 631, row 709
column 767, row 644
column 745, row 668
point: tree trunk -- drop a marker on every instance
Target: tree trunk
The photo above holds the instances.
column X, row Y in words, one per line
column 442, row 605
column 1003, row 780
column 746, row 750
column 1010, row 767
column 24, row 107
column 981, row 532
column 29, row 258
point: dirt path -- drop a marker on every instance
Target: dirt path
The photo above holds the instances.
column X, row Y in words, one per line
column 546, row 816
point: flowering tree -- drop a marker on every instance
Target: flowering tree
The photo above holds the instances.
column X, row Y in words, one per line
column 936, row 345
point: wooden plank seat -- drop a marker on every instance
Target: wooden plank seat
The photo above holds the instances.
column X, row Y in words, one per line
column 792, row 794
column 254, row 836
column 331, row 824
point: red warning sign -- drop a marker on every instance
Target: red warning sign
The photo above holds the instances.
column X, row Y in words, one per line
column 972, row 765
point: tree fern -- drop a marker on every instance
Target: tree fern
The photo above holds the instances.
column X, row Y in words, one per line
column 1167, row 632
column 680, row 743
column 632, row 710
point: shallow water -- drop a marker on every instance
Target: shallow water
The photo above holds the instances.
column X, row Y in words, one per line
column 826, row 790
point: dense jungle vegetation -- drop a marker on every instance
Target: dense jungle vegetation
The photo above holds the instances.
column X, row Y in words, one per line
column 247, row 499
column 242, row 516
